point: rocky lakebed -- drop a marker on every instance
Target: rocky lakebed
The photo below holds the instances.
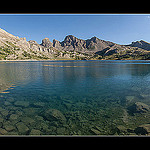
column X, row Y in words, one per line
column 22, row 117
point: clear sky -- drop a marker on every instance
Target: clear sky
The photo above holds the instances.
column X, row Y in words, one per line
column 118, row 28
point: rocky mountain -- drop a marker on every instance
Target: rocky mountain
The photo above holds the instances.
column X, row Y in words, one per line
column 141, row 44
column 72, row 43
column 15, row 48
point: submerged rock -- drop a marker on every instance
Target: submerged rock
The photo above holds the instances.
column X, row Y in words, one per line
column 7, row 103
column 13, row 117
column 3, row 131
column 22, row 103
column 130, row 98
column 95, row 131
column 4, row 112
column 143, row 129
column 145, row 95
column 27, row 120
column 9, row 127
column 121, row 129
column 10, row 99
column 139, row 107
column 22, row 128
column 1, row 119
column 35, row 132
column 140, row 131
column 42, row 126
column 54, row 115
column 39, row 104
column 61, row 131
column 30, row 111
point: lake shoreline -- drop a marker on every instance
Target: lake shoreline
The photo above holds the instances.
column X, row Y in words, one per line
column 33, row 60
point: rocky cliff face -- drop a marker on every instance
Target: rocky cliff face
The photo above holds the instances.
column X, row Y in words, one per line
column 72, row 43
column 47, row 43
column 15, row 48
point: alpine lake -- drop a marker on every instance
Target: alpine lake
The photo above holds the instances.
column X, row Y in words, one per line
column 73, row 97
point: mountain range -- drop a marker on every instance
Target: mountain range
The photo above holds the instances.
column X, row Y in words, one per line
column 15, row 48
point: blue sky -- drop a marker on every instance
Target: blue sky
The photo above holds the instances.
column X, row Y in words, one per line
column 118, row 28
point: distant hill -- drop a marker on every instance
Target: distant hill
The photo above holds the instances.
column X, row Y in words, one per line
column 15, row 48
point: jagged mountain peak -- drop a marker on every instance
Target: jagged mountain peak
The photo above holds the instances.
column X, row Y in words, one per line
column 141, row 44
column 94, row 38
column 46, row 43
column 32, row 42
column 69, row 38
column 142, row 41
column 73, row 38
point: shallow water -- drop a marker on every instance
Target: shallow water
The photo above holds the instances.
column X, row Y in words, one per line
column 73, row 97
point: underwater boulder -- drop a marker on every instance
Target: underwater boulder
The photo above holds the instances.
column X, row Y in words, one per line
column 21, row 103
column 3, row 131
column 143, row 129
column 140, row 131
column 54, row 115
column 35, row 132
column 22, row 128
column 9, row 127
column 95, row 131
column 130, row 99
column 121, row 129
column 138, row 107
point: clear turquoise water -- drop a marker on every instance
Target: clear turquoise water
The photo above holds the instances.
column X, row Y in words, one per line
column 90, row 95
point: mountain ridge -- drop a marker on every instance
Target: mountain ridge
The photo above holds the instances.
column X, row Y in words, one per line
column 141, row 44
column 15, row 48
